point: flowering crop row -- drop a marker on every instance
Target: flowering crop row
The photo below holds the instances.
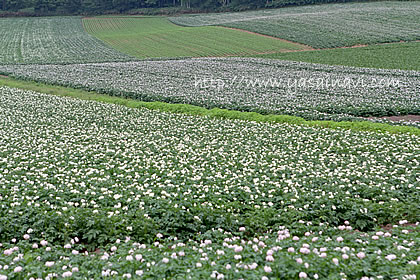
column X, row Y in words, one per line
column 51, row 40
column 326, row 254
column 324, row 26
column 198, row 198
column 71, row 167
column 269, row 86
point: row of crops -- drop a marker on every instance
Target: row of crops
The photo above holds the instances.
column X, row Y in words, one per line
column 64, row 40
column 384, row 56
column 157, row 37
column 170, row 196
column 51, row 40
column 307, row 90
column 325, row 27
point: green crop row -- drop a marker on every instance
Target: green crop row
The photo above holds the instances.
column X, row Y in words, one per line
column 157, row 37
column 360, row 125
column 137, row 184
column 266, row 86
column 51, row 40
column 131, row 164
column 387, row 56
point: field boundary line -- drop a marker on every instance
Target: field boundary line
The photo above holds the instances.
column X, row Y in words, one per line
column 309, row 48
column 193, row 110
column 369, row 45
column 306, row 47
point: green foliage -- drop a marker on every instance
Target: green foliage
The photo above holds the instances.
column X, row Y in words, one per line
column 110, row 171
column 265, row 86
column 200, row 111
column 157, row 37
column 330, row 254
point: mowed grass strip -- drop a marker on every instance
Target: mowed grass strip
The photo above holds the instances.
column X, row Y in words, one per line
column 157, row 37
column 402, row 56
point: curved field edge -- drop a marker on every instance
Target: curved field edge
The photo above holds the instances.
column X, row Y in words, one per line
column 200, row 111
column 150, row 37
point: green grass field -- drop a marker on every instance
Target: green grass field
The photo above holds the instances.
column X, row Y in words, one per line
column 157, row 37
column 402, row 56
column 324, row 26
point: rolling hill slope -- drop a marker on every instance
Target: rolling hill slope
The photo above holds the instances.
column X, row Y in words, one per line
column 324, row 26
column 156, row 37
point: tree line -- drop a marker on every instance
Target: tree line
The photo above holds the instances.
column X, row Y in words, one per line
column 70, row 7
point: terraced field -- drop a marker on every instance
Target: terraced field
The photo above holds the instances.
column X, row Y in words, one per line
column 169, row 196
column 157, row 37
column 51, row 40
column 323, row 26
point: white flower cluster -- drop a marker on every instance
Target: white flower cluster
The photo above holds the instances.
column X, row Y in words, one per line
column 315, row 255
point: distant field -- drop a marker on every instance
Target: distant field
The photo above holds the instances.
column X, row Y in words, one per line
column 51, row 40
column 402, row 56
column 157, row 37
column 311, row 91
column 325, row 26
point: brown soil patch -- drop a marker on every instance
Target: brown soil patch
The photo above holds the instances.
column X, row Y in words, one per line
column 413, row 118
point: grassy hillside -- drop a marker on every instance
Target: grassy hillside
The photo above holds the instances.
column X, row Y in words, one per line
column 325, row 26
column 402, row 56
column 157, row 37
column 51, row 40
